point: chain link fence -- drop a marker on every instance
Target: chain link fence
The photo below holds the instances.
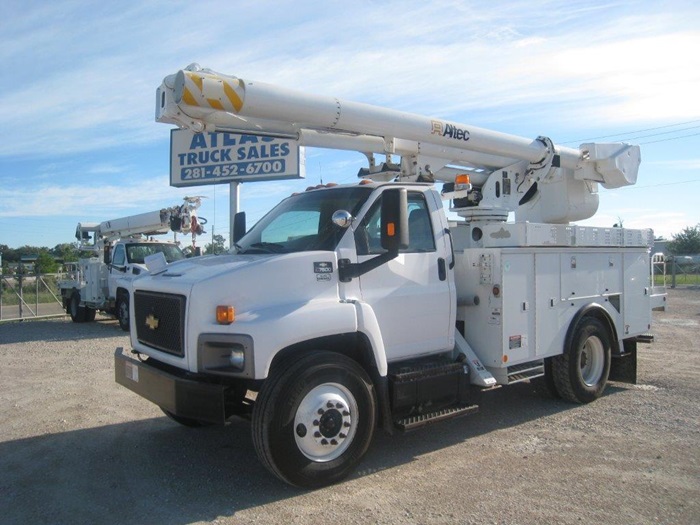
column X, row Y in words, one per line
column 683, row 270
column 30, row 296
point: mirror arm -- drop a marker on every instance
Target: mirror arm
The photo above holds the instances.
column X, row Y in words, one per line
column 347, row 270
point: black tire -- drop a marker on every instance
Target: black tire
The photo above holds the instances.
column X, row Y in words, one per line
column 546, row 384
column 77, row 312
column 123, row 311
column 314, row 419
column 90, row 314
column 580, row 374
column 186, row 421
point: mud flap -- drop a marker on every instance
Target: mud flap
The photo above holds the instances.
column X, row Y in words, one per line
column 623, row 367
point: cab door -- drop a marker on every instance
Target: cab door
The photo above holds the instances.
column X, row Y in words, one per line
column 412, row 295
column 117, row 268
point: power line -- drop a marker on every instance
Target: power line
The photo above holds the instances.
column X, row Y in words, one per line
column 672, row 138
column 637, row 131
column 665, row 132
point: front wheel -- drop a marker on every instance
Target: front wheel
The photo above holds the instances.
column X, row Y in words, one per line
column 78, row 314
column 580, row 374
column 123, row 311
column 313, row 420
column 90, row 314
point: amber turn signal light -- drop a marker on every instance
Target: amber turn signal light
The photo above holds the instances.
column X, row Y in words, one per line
column 225, row 314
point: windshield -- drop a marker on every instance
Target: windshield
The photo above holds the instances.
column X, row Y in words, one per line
column 303, row 222
column 136, row 253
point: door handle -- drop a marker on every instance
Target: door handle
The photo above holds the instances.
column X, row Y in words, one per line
column 448, row 232
column 442, row 269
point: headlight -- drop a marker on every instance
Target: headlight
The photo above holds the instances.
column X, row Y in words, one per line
column 225, row 354
column 237, row 358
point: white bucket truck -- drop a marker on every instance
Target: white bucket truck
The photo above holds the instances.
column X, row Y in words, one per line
column 350, row 307
column 118, row 250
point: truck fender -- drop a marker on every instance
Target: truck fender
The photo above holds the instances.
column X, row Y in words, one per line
column 367, row 324
column 599, row 312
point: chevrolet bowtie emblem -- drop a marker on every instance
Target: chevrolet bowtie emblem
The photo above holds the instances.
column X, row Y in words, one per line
column 152, row 321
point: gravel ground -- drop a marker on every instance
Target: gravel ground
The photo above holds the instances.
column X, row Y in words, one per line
column 75, row 447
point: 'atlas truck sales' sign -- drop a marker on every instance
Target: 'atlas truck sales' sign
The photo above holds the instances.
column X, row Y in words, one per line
column 212, row 158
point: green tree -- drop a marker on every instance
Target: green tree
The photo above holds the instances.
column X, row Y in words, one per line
column 45, row 262
column 218, row 245
column 66, row 251
column 9, row 255
column 687, row 242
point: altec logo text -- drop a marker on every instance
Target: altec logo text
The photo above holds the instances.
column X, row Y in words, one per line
column 449, row 130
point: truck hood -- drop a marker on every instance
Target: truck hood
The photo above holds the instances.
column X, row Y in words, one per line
column 201, row 268
column 251, row 273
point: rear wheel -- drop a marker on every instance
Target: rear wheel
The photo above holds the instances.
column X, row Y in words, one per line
column 78, row 313
column 123, row 311
column 547, row 382
column 580, row 374
column 313, row 420
column 90, row 314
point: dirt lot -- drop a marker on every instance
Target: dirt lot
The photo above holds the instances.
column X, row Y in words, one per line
column 77, row 448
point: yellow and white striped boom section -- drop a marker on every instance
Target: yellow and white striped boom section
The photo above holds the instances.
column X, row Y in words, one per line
column 210, row 91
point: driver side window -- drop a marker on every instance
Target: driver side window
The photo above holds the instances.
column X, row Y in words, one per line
column 420, row 230
column 119, row 256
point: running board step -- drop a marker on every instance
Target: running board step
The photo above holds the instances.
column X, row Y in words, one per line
column 645, row 338
column 525, row 371
column 413, row 422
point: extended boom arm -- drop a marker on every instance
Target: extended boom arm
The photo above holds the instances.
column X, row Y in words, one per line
column 181, row 218
column 507, row 172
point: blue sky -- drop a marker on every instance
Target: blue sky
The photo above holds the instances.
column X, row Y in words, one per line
column 80, row 143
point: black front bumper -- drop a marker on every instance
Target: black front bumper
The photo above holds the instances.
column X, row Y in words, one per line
column 178, row 395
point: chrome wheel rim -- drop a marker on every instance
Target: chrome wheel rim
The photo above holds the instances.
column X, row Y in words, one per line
column 325, row 422
column 124, row 312
column 592, row 361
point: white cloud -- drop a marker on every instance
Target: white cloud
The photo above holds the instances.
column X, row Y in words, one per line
column 439, row 58
column 93, row 202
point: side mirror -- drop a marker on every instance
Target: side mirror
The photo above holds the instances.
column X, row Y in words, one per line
column 394, row 219
column 239, row 226
column 342, row 219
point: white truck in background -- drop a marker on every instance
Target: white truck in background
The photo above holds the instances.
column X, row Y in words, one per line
column 356, row 306
column 118, row 249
